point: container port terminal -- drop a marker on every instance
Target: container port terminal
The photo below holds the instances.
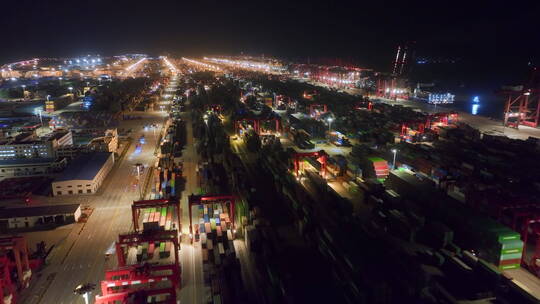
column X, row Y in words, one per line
column 235, row 182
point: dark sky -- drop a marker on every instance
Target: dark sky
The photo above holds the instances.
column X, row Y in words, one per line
column 489, row 36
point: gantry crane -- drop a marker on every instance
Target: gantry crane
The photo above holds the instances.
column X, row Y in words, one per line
column 256, row 124
column 131, row 296
column 17, row 245
column 132, row 239
column 13, row 256
column 321, row 158
column 8, row 289
column 522, row 106
column 118, row 280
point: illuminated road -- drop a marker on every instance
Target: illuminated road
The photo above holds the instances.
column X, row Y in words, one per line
column 193, row 289
column 80, row 258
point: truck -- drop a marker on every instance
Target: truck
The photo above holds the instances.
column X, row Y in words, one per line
column 338, row 139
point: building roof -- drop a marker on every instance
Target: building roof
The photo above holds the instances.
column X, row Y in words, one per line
column 26, row 161
column 84, row 167
column 57, row 135
column 38, row 211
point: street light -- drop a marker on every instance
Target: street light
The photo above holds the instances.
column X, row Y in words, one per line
column 138, row 166
column 84, row 290
column 70, row 89
column 329, row 123
column 394, row 162
column 39, row 114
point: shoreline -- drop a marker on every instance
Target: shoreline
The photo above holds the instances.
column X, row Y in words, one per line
column 485, row 124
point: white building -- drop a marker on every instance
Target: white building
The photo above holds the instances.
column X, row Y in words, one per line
column 106, row 143
column 28, row 217
column 84, row 175
column 27, row 145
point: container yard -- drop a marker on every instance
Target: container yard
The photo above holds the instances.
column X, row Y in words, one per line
column 221, row 269
column 148, row 258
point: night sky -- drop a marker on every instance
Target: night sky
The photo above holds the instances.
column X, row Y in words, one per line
column 492, row 39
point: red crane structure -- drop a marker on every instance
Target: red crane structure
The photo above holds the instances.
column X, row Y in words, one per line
column 321, row 158
column 8, row 289
column 254, row 122
column 17, row 260
column 534, row 263
column 132, row 239
column 313, row 112
column 17, row 245
column 119, row 280
column 275, row 120
column 441, row 119
column 522, row 106
column 364, row 104
column 283, row 99
column 432, row 122
column 124, row 297
column 310, row 94
column 137, row 205
column 210, row 199
column 407, row 127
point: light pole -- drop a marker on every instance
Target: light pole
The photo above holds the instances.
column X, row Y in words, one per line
column 138, row 166
column 394, row 162
column 329, row 123
column 84, row 290
column 40, row 118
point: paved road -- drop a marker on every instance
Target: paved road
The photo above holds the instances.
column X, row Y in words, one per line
column 193, row 289
column 80, row 258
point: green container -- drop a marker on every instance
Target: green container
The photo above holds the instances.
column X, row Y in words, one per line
column 512, row 251
column 512, row 245
column 507, row 267
column 508, row 236
column 511, row 256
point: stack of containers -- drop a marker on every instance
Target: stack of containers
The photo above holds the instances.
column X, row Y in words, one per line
column 173, row 182
column 160, row 218
column 165, row 249
column 498, row 244
column 380, row 166
column 503, row 247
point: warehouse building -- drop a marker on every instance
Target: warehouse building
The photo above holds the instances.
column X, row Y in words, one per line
column 84, row 175
column 26, row 167
column 28, row 217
